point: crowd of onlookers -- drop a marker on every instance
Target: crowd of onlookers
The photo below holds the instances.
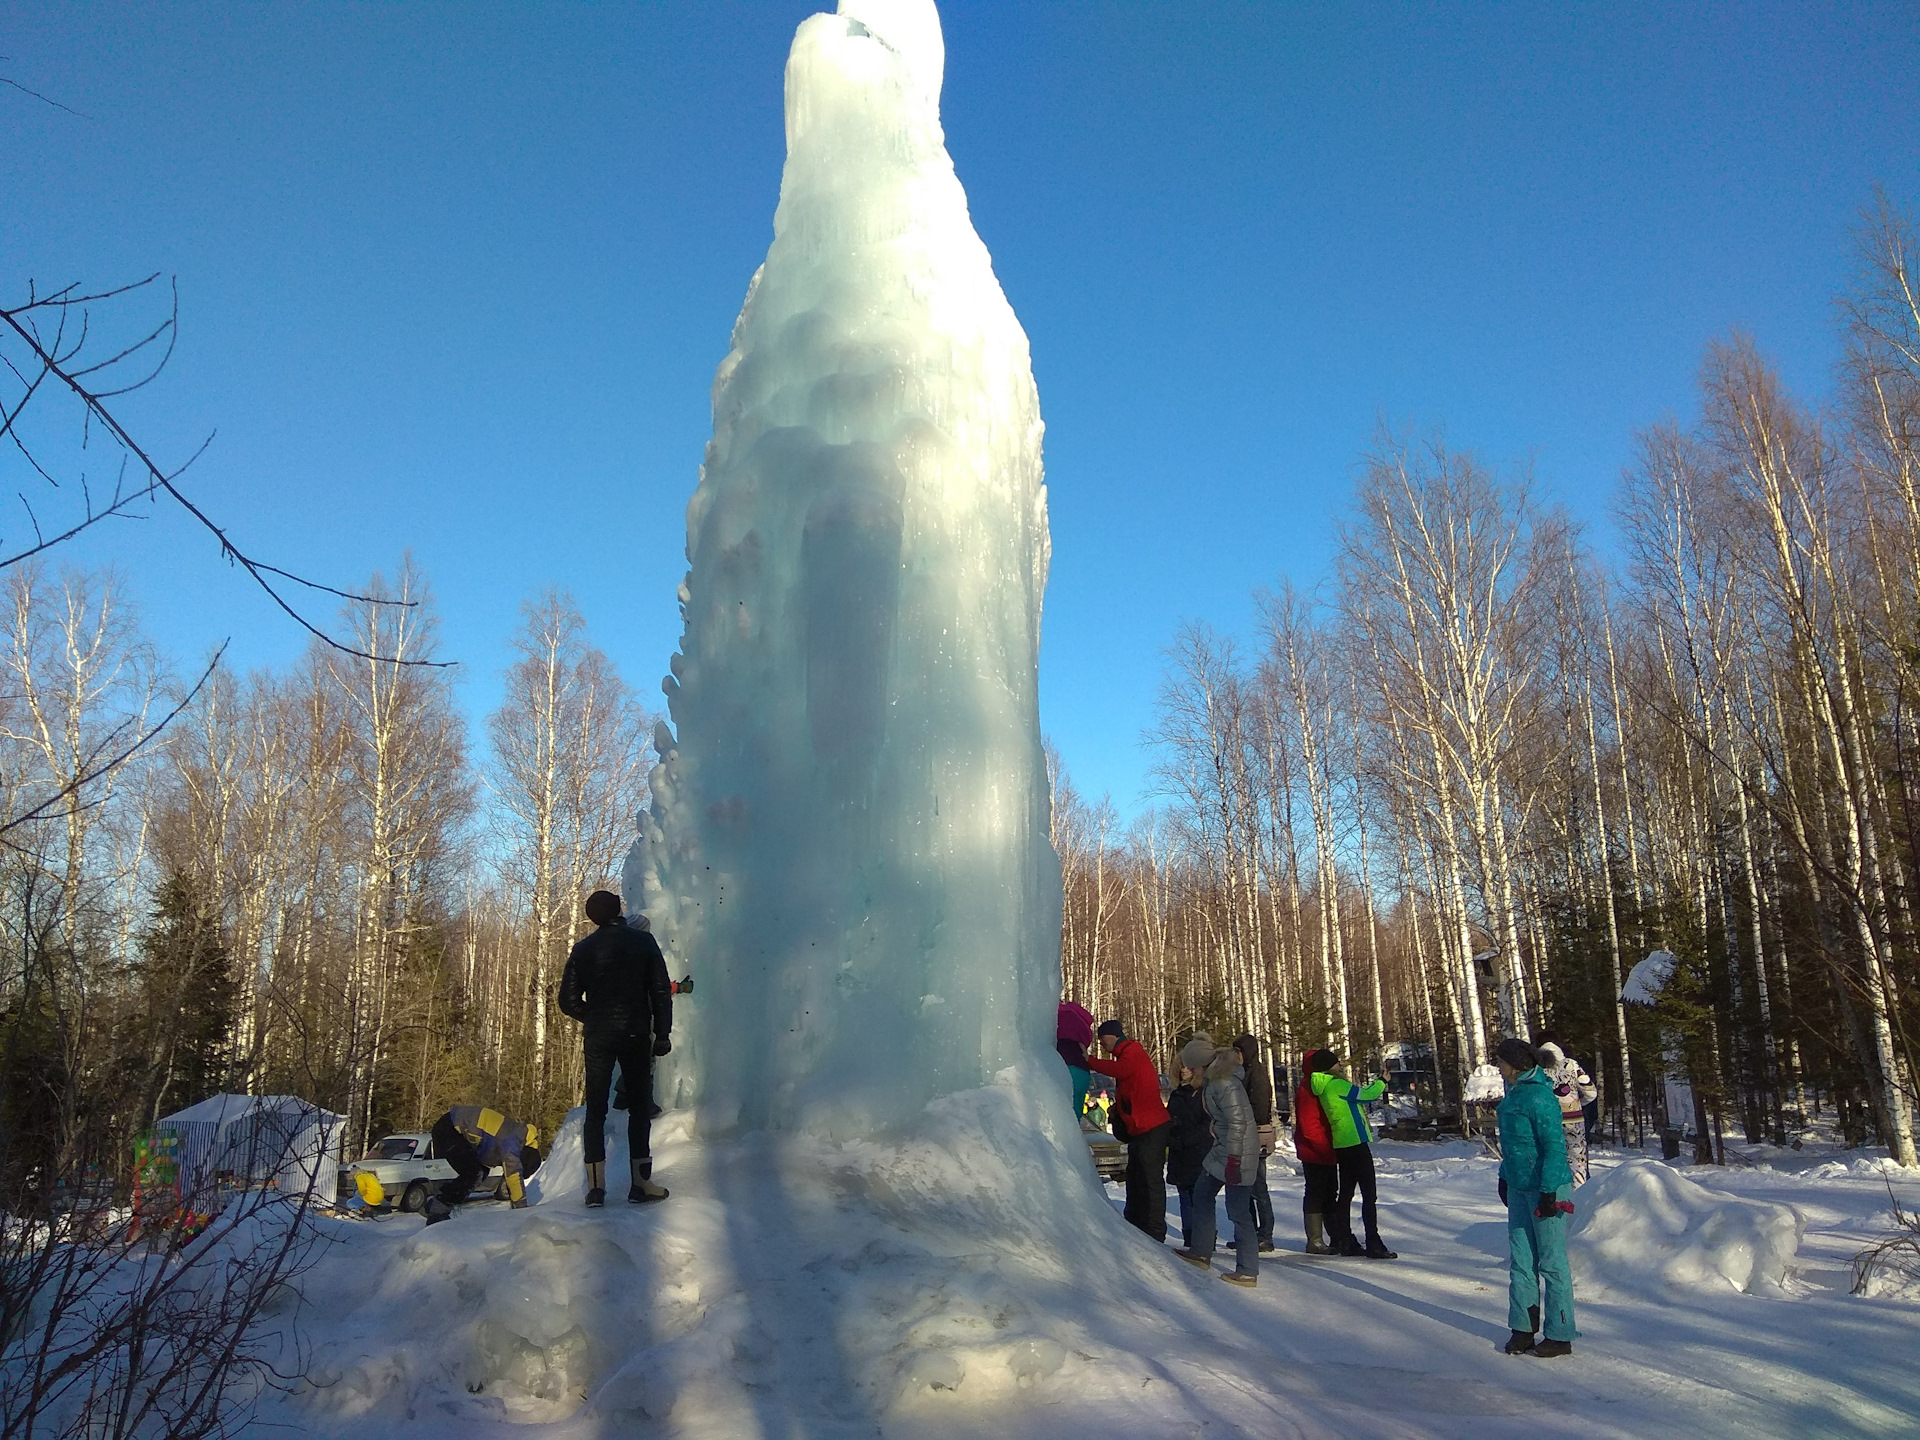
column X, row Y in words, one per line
column 1207, row 1130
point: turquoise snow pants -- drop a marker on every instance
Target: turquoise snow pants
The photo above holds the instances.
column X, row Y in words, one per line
column 1537, row 1254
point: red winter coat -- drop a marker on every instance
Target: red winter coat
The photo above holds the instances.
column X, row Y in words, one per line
column 1312, row 1140
column 1140, row 1107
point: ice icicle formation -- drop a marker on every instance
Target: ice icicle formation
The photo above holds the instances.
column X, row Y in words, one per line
column 848, row 840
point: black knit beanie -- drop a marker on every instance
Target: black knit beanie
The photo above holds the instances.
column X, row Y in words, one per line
column 603, row 907
column 1517, row 1053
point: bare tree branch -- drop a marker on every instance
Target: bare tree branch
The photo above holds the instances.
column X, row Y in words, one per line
column 55, row 358
column 95, row 770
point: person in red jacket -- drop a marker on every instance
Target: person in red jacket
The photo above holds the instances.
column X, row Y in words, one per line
column 1313, row 1146
column 1140, row 1118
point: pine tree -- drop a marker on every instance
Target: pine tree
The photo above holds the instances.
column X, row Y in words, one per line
column 185, row 982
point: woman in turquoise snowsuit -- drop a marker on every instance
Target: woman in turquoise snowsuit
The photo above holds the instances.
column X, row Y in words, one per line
column 1537, row 1185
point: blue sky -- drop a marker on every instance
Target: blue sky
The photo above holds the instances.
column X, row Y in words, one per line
column 455, row 279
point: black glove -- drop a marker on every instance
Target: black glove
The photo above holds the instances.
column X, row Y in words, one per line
column 1552, row 1209
column 1503, row 1189
column 662, row 1045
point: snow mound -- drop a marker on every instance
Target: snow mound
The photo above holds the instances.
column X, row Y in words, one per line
column 1485, row 1087
column 563, row 1170
column 940, row 1280
column 1645, row 1221
column 1842, row 1169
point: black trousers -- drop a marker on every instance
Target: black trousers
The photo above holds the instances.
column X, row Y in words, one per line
column 458, row 1151
column 1355, row 1163
column 1147, row 1180
column 1323, row 1184
column 634, row 1054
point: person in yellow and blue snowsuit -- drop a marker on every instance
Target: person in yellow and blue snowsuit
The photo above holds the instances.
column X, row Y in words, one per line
column 473, row 1139
column 1537, row 1186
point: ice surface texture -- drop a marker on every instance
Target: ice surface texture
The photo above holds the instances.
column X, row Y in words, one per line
column 848, row 839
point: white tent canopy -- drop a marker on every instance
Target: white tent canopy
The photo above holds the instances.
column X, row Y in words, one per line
column 278, row 1140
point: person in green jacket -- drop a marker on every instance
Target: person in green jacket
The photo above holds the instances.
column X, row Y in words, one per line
column 1537, row 1185
column 1340, row 1099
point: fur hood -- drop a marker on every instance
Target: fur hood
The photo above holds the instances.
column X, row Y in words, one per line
column 1221, row 1066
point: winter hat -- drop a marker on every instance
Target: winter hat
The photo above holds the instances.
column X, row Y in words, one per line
column 603, row 907
column 1112, row 1027
column 1075, row 1024
column 1517, row 1053
column 1249, row 1049
column 1321, row 1060
column 1550, row 1054
column 1197, row 1052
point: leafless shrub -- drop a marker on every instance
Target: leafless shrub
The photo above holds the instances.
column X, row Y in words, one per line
column 1897, row 1251
column 130, row 1320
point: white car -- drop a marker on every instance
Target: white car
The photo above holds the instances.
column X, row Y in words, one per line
column 408, row 1171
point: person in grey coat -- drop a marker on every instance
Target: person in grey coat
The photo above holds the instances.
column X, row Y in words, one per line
column 1233, row 1165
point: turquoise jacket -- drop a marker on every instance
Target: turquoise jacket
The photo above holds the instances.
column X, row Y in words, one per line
column 1533, row 1146
column 1341, row 1099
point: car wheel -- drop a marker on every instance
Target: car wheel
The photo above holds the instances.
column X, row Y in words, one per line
column 414, row 1200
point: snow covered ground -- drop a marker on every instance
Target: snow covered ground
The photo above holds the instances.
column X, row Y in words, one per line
column 797, row 1287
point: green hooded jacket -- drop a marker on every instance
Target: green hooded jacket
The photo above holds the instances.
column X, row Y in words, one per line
column 1341, row 1099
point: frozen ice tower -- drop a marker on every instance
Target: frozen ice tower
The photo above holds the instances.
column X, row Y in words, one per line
column 848, row 840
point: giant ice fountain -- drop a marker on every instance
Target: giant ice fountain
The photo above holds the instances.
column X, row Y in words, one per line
column 848, row 837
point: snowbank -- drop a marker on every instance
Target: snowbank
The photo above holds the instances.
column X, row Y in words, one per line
column 967, row 1280
column 1875, row 1165
column 1644, row 1221
column 935, row 1278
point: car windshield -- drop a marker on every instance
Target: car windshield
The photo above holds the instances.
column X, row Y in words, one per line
column 394, row 1147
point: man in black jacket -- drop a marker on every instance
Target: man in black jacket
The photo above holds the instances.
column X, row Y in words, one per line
column 616, row 986
column 1259, row 1081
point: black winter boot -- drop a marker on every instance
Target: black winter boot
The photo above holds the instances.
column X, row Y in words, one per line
column 1522, row 1341
column 596, row 1184
column 1553, row 1349
column 1377, row 1249
column 1348, row 1246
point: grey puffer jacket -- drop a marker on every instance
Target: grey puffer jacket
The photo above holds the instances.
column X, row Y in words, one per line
column 1234, row 1131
